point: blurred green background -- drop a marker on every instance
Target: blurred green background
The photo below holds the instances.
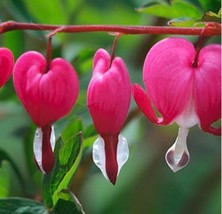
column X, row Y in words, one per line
column 145, row 185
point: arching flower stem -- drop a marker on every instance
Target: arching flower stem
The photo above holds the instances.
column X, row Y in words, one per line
column 200, row 41
column 118, row 35
column 48, row 53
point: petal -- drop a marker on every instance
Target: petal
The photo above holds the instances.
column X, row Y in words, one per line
column 142, row 100
column 46, row 95
column 110, row 157
column 122, row 152
column 109, row 93
column 177, row 157
column 101, row 62
column 207, row 88
column 6, row 65
column 167, row 75
column 98, row 155
column 44, row 143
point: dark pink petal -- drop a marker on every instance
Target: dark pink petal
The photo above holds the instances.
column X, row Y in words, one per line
column 168, row 76
column 44, row 143
column 6, row 65
column 111, row 156
column 47, row 95
column 142, row 100
column 207, row 88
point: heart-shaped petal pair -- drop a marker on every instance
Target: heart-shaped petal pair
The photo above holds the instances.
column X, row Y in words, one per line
column 48, row 92
column 6, row 65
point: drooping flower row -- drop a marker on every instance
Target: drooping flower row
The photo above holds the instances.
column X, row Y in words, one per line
column 182, row 84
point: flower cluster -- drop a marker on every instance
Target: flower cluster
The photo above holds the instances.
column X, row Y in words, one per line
column 183, row 84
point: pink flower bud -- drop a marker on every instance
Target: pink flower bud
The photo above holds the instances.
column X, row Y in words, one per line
column 48, row 92
column 108, row 99
column 184, row 87
column 6, row 65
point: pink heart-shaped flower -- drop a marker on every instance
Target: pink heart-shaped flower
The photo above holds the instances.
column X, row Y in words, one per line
column 185, row 87
column 6, row 65
column 47, row 93
column 108, row 100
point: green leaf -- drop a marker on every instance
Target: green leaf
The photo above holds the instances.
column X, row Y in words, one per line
column 212, row 17
column 4, row 156
column 177, row 8
column 51, row 13
column 88, row 142
column 67, row 203
column 67, row 155
column 21, row 206
column 4, row 179
column 73, row 127
column 185, row 22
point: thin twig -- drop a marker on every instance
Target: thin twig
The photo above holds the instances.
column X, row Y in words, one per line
column 213, row 30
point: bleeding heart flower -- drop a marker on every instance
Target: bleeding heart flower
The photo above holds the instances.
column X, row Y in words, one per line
column 185, row 87
column 48, row 92
column 108, row 99
column 6, row 65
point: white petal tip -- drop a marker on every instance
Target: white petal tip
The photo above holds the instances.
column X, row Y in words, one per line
column 99, row 155
column 37, row 147
column 122, row 152
column 177, row 156
column 174, row 163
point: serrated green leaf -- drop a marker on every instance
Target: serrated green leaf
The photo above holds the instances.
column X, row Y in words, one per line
column 67, row 155
column 212, row 17
column 177, row 8
column 67, row 203
column 21, row 206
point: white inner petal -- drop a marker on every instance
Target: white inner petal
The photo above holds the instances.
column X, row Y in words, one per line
column 99, row 156
column 52, row 138
column 189, row 117
column 37, row 147
column 122, row 152
column 177, row 155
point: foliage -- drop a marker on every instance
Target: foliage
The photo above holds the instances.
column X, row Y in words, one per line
column 145, row 185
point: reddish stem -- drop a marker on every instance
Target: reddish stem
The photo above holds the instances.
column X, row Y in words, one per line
column 48, row 53
column 200, row 42
column 214, row 30
column 114, row 47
